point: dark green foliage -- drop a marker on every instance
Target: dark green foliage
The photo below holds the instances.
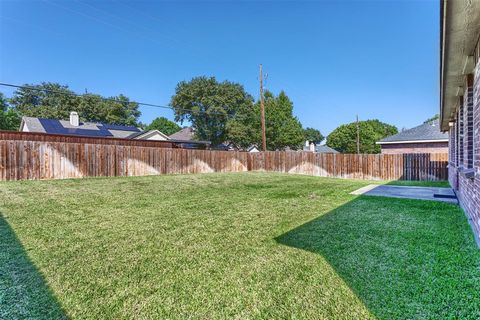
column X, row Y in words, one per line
column 118, row 110
column 163, row 125
column 9, row 118
column 50, row 105
column 60, row 101
column 208, row 104
column 3, row 102
column 344, row 138
column 283, row 129
column 313, row 135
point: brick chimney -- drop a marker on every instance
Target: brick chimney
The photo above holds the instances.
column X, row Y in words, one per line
column 74, row 120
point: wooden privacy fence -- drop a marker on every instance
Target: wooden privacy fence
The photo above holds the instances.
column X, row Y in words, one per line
column 40, row 159
column 422, row 166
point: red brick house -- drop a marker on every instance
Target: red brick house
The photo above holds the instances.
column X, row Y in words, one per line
column 425, row 138
column 460, row 99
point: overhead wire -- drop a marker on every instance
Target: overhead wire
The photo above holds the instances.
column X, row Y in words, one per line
column 144, row 104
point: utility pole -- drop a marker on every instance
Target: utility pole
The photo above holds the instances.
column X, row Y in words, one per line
column 262, row 112
column 358, row 137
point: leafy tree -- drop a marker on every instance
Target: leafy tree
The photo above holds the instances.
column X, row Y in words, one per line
column 245, row 128
column 208, row 104
column 3, row 102
column 55, row 101
column 9, row 118
column 163, row 125
column 312, row 134
column 117, row 110
column 45, row 104
column 283, row 129
column 435, row 117
column 344, row 138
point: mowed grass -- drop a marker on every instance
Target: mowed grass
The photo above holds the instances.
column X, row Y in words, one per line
column 244, row 246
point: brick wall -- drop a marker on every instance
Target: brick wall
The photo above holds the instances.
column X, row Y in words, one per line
column 452, row 156
column 466, row 149
column 431, row 147
column 468, row 122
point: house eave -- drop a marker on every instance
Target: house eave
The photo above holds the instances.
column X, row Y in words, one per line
column 411, row 141
column 22, row 125
column 151, row 132
column 459, row 30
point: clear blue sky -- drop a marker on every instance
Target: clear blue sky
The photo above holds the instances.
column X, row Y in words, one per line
column 337, row 59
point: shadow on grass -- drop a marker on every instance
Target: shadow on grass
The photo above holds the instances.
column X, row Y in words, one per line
column 24, row 293
column 405, row 259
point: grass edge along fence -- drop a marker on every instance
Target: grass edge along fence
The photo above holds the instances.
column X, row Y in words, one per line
column 38, row 156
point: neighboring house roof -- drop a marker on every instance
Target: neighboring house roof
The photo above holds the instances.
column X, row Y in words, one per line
column 253, row 148
column 151, row 135
column 87, row 129
column 427, row 132
column 325, row 149
column 222, row 147
column 226, row 146
column 184, row 134
column 319, row 148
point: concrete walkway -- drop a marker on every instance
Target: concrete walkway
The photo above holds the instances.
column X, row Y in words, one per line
column 421, row 193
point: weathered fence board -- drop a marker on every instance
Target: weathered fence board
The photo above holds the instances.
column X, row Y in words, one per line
column 35, row 157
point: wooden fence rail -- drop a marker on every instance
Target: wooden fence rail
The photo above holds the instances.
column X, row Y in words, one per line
column 37, row 159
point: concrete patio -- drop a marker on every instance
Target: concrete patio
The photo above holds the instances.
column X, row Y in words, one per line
column 408, row 192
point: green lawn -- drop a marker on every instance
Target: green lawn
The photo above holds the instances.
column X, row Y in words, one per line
column 244, row 246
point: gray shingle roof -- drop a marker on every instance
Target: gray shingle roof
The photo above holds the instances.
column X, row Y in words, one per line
column 325, row 149
column 86, row 129
column 426, row 131
column 184, row 134
column 321, row 149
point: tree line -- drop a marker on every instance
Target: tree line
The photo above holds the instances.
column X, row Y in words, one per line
column 218, row 111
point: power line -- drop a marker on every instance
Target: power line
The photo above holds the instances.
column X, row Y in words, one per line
column 191, row 50
column 145, row 104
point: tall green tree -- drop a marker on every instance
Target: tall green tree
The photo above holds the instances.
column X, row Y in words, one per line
column 312, row 134
column 55, row 101
column 163, row 125
column 208, row 104
column 9, row 118
column 117, row 110
column 283, row 129
column 344, row 138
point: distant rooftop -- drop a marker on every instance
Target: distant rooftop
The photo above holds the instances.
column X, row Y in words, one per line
column 321, row 149
column 429, row 132
column 87, row 129
column 185, row 134
column 325, row 149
